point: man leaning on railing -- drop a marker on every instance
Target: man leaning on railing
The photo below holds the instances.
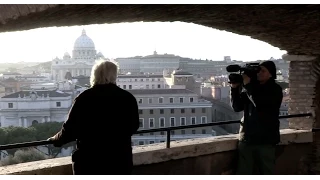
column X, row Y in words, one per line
column 94, row 122
column 259, row 130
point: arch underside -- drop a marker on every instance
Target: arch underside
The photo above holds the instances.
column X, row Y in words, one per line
column 290, row 27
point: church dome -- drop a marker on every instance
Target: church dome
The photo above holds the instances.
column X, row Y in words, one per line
column 84, row 42
column 66, row 54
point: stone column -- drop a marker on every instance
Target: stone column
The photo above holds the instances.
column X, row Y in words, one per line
column 304, row 84
column 43, row 119
column 302, row 81
column 48, row 119
column 20, row 121
column 25, row 122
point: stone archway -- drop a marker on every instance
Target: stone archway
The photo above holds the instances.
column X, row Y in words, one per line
column 293, row 28
column 34, row 122
column 289, row 27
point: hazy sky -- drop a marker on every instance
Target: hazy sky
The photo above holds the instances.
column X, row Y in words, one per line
column 131, row 39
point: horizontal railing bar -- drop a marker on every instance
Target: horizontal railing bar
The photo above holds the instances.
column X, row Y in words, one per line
column 25, row 144
column 45, row 142
column 211, row 124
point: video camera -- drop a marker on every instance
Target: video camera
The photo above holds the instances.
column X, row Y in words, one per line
column 250, row 69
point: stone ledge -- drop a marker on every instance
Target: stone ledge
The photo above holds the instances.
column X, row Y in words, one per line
column 298, row 57
column 157, row 153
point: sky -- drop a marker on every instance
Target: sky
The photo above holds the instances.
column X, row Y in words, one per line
column 135, row 39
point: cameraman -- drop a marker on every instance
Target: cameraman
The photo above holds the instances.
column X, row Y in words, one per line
column 259, row 129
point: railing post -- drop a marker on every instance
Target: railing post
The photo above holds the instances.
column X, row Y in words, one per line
column 168, row 138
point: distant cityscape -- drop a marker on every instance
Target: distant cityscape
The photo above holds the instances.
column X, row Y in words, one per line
column 170, row 91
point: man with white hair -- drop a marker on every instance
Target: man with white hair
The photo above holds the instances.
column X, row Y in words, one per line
column 102, row 120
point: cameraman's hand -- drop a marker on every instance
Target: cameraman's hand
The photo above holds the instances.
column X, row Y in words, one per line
column 246, row 79
column 234, row 85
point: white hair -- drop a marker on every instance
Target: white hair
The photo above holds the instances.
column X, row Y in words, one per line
column 103, row 72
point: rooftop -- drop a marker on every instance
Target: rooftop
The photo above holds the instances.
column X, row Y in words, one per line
column 39, row 93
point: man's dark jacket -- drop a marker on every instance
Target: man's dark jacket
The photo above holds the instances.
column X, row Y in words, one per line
column 102, row 121
column 261, row 104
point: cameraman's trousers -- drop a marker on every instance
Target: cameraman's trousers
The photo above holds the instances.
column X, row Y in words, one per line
column 256, row 159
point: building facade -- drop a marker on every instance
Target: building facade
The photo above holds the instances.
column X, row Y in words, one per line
column 161, row 108
column 25, row 108
column 141, row 81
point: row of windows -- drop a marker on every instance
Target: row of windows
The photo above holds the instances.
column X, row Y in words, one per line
column 147, row 86
column 171, row 100
column 58, row 104
column 193, row 110
column 136, row 80
column 162, row 121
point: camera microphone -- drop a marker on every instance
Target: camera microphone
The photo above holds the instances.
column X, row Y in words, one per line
column 233, row 68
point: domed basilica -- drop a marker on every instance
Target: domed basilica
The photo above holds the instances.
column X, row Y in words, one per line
column 83, row 58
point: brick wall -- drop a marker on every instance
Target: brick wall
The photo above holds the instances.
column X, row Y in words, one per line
column 304, row 94
column 302, row 81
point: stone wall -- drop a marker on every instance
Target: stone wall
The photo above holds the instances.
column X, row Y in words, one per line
column 214, row 155
column 304, row 94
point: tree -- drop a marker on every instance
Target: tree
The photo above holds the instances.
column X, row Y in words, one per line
column 36, row 132
column 22, row 156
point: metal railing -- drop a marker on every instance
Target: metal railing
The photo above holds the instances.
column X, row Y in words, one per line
column 168, row 130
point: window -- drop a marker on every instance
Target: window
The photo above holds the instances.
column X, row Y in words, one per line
column 124, row 86
column 150, row 101
column 203, row 119
column 151, row 142
column 141, row 143
column 141, row 79
column 172, row 121
column 58, row 104
column 161, row 122
column 182, row 111
column 162, row 133
column 182, row 121
column 204, row 131
column 151, row 134
column 191, row 100
column 193, row 110
column 140, row 134
column 183, row 132
column 151, row 122
column 152, row 86
column 203, row 110
column 135, row 80
column 181, row 100
column 159, row 86
column 193, row 131
column 171, row 100
column 151, row 111
column 10, row 105
column 162, row 141
column 172, row 132
column 172, row 111
column 152, row 79
column 140, row 111
column 140, row 101
column 161, row 111
column 193, row 120
column 141, row 122
column 147, row 86
column 161, row 100
column 130, row 86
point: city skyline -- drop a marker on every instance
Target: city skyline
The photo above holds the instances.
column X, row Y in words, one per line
column 135, row 39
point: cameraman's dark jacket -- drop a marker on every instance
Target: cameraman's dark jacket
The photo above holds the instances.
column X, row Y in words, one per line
column 261, row 104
